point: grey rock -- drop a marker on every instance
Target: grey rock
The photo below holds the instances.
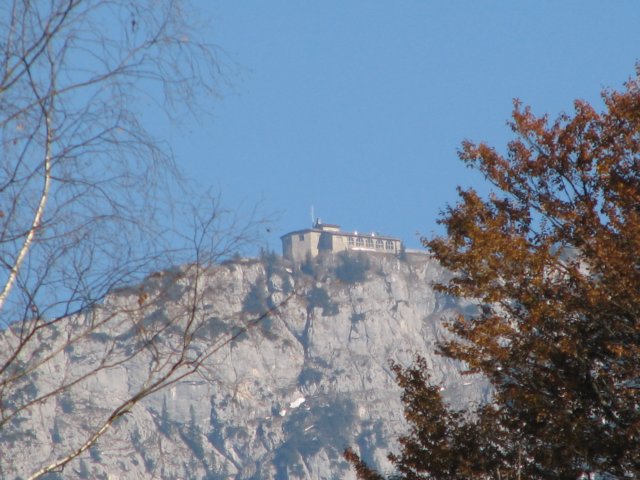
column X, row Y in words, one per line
column 281, row 401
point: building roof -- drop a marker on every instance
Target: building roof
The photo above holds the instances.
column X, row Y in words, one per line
column 340, row 233
column 319, row 224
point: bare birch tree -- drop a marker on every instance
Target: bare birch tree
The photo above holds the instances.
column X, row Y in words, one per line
column 85, row 197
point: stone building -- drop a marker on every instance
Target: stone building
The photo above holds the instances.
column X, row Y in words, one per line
column 326, row 237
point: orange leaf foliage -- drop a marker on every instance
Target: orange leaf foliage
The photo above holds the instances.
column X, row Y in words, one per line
column 553, row 256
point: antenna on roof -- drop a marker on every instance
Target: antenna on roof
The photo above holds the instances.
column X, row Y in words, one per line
column 313, row 217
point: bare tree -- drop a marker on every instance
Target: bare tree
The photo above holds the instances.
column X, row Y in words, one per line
column 86, row 200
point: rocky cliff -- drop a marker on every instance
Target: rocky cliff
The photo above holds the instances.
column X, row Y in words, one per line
column 280, row 401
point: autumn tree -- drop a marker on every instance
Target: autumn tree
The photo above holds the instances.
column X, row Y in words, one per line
column 87, row 202
column 552, row 256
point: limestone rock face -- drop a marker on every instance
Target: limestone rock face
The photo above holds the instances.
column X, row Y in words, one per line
column 280, row 401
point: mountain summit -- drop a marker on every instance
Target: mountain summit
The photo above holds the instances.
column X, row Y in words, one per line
column 279, row 400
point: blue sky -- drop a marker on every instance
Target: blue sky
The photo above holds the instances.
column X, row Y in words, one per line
column 358, row 107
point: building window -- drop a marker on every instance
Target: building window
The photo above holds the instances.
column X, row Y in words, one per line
column 369, row 242
column 390, row 245
column 301, row 237
column 359, row 242
column 379, row 244
column 351, row 241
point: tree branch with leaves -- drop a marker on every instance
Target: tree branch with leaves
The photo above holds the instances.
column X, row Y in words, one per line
column 552, row 256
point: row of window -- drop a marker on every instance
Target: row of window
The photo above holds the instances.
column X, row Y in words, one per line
column 369, row 242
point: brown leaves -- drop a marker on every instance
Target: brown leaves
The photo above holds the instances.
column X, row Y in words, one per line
column 554, row 253
column 559, row 252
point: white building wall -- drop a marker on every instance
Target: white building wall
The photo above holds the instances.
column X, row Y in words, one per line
column 297, row 245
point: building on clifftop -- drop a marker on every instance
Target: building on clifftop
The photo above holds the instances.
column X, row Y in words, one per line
column 326, row 237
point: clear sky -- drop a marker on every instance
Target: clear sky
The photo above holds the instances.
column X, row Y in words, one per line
column 358, row 107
